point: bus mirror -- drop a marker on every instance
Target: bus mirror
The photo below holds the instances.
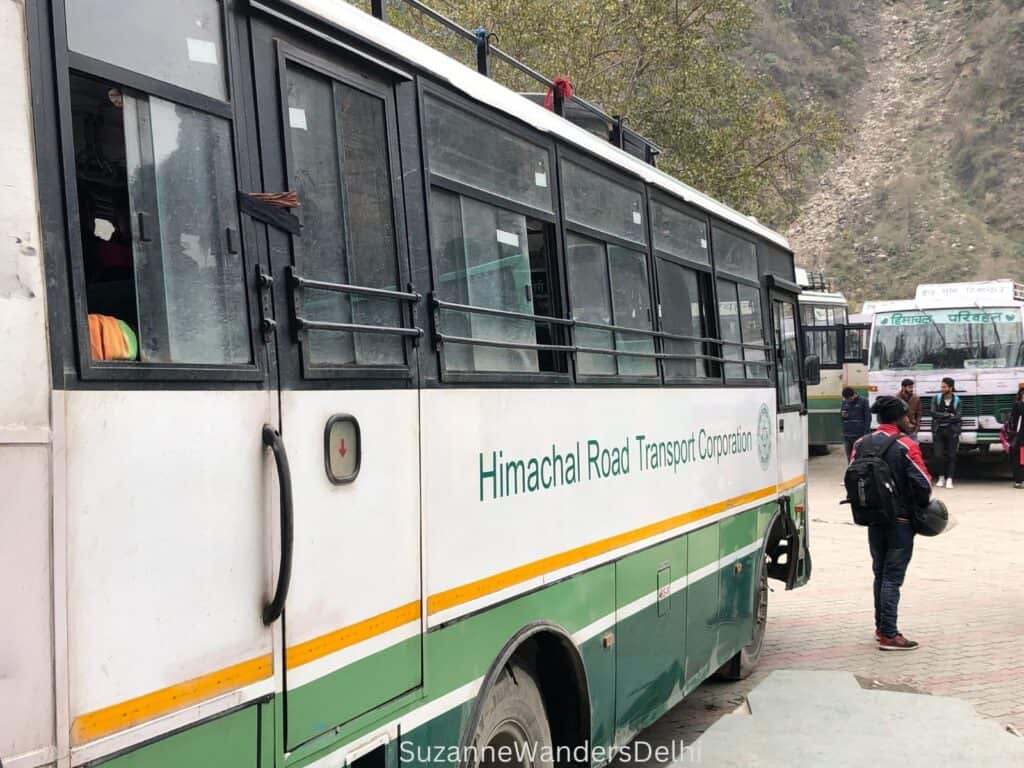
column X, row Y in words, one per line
column 863, row 357
column 812, row 370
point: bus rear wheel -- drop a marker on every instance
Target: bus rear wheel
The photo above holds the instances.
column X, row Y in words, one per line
column 744, row 663
column 513, row 729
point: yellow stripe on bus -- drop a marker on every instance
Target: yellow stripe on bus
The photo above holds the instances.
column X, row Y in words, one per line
column 485, row 586
column 318, row 647
column 105, row 721
column 117, row 717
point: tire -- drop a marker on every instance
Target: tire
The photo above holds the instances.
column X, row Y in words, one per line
column 512, row 716
column 744, row 663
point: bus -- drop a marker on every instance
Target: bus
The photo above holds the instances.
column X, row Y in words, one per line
column 970, row 332
column 357, row 410
column 841, row 345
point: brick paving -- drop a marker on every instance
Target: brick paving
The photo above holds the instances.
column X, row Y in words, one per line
column 963, row 600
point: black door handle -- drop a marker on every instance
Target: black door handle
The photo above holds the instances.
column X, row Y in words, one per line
column 272, row 439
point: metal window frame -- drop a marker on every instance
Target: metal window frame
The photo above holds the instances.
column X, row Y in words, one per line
column 426, row 89
column 336, row 73
column 66, row 62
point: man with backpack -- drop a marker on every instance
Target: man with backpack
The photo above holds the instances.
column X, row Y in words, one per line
column 946, row 430
column 886, row 481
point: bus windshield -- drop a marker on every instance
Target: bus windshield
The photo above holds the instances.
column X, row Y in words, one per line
column 947, row 338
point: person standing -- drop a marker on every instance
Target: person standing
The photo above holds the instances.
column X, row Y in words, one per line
column 856, row 416
column 1015, row 430
column 946, row 430
column 913, row 402
column 892, row 545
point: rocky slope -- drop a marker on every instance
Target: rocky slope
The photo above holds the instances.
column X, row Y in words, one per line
column 931, row 185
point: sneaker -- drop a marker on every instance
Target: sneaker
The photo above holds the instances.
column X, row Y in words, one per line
column 878, row 635
column 896, row 643
column 941, row 481
column 949, row 482
column 1018, row 485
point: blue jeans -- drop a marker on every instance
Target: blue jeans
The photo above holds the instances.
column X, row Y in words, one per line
column 891, row 549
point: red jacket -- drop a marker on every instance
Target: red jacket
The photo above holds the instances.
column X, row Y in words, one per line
column 908, row 468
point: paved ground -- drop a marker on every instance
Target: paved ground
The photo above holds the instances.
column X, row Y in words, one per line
column 963, row 601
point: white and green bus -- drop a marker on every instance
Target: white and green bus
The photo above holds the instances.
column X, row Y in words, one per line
column 355, row 409
column 840, row 345
column 970, row 332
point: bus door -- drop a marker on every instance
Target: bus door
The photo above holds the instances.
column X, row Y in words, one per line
column 791, row 427
column 855, row 352
column 347, row 355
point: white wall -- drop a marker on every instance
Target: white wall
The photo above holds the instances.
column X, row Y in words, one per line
column 26, row 666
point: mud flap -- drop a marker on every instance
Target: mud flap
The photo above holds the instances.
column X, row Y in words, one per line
column 784, row 551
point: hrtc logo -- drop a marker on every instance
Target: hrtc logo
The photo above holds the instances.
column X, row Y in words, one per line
column 764, row 437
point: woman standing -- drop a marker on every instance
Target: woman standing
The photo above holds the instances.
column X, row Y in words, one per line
column 1015, row 430
column 946, row 430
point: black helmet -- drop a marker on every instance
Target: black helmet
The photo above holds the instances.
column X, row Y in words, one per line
column 932, row 519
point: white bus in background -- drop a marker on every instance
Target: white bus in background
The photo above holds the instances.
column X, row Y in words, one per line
column 970, row 332
column 841, row 344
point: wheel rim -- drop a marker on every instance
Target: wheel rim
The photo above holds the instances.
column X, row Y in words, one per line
column 511, row 737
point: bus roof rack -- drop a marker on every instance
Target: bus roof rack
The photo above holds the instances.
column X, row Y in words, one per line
column 583, row 113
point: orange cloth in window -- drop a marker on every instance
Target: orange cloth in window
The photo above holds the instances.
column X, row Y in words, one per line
column 106, row 339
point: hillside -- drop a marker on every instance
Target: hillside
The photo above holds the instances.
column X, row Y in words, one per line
column 931, row 184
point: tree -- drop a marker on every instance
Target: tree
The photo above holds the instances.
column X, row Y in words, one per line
column 672, row 68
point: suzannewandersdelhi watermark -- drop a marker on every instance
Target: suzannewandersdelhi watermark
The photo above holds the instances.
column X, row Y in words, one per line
column 532, row 754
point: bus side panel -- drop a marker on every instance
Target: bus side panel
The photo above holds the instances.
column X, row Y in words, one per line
column 823, row 403
column 650, row 627
column 702, row 604
column 737, row 583
column 26, row 671
column 26, row 667
column 224, row 742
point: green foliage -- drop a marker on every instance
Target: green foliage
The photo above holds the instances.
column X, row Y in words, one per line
column 674, row 68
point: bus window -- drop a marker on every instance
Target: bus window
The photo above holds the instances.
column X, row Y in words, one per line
column 492, row 240
column 602, row 205
column 683, row 263
column 735, row 255
column 484, row 258
column 178, row 42
column 789, row 356
column 159, row 227
column 609, row 282
column 739, row 311
column 339, row 167
column 677, row 234
column 683, row 310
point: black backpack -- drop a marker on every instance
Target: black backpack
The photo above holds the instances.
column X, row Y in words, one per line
column 870, row 487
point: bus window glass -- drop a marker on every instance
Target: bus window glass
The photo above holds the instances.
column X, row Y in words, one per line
column 947, row 338
column 339, row 168
column 753, row 331
column 789, row 355
column 853, row 345
column 631, row 307
column 601, row 204
column 590, row 297
column 680, row 235
column 735, row 255
column 177, row 42
column 823, row 343
column 156, row 199
column 474, row 152
column 484, row 258
column 729, row 326
column 682, row 313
